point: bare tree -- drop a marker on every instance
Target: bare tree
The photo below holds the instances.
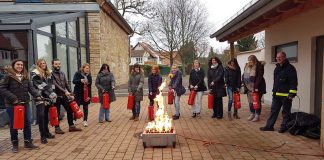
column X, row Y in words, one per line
column 177, row 23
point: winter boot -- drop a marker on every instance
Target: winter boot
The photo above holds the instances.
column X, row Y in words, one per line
column 15, row 146
column 132, row 118
column 235, row 115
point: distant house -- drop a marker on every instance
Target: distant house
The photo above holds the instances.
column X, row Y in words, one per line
column 176, row 58
column 143, row 53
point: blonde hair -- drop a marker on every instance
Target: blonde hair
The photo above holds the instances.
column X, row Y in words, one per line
column 83, row 66
column 42, row 73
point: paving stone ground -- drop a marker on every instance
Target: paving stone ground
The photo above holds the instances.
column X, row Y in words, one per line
column 120, row 139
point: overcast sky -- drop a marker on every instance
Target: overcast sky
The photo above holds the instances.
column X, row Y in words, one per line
column 218, row 12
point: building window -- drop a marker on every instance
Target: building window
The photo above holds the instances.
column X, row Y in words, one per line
column 291, row 50
column 72, row 30
column 62, row 56
column 61, row 29
column 139, row 60
column 44, row 49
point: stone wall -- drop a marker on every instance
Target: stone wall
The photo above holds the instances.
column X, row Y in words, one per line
column 108, row 44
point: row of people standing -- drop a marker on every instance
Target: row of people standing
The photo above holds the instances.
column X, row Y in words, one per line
column 48, row 88
column 221, row 82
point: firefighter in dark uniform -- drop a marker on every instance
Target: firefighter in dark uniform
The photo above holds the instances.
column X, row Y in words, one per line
column 284, row 90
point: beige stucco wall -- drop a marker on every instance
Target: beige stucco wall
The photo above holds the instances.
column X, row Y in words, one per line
column 301, row 28
column 243, row 58
column 108, row 44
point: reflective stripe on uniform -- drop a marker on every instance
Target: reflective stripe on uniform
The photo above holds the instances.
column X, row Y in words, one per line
column 293, row 91
column 281, row 94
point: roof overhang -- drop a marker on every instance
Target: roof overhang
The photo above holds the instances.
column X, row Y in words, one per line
column 263, row 14
column 110, row 10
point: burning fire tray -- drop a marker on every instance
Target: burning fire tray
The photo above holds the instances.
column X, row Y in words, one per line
column 159, row 139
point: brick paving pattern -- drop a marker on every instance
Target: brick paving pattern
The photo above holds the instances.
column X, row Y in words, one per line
column 120, row 139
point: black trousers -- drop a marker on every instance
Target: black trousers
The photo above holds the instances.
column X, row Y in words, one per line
column 65, row 102
column 42, row 119
column 277, row 103
column 85, row 112
column 218, row 107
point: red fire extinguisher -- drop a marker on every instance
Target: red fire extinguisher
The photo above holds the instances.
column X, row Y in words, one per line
column 192, row 97
column 78, row 114
column 170, row 96
column 237, row 100
column 76, row 110
column 130, row 103
column 19, row 116
column 85, row 92
column 151, row 112
column 74, row 106
column 210, row 101
column 105, row 99
column 255, row 99
column 54, row 121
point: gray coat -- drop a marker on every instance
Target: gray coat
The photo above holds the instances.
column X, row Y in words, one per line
column 105, row 82
column 135, row 85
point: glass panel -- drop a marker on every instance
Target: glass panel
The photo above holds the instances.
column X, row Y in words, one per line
column 72, row 30
column 45, row 29
column 13, row 45
column 290, row 49
column 73, row 62
column 44, row 49
column 83, row 55
column 62, row 56
column 61, row 29
column 82, row 30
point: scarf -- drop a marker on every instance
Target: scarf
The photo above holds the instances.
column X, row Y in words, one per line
column 213, row 66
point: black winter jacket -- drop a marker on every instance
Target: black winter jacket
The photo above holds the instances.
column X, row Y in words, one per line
column 78, row 87
column 216, row 75
column 61, row 83
column 285, row 80
column 232, row 77
column 154, row 82
column 196, row 78
column 12, row 89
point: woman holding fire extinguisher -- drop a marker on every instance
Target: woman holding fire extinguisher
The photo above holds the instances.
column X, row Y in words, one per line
column 105, row 83
column 154, row 82
column 233, row 84
column 43, row 83
column 216, row 85
column 197, row 84
column 254, row 82
column 14, row 87
column 176, row 86
column 135, row 87
column 83, row 80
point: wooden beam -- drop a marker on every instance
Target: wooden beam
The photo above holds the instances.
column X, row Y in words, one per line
column 232, row 49
column 300, row 1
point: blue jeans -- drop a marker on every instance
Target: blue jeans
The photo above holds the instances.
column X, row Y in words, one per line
column 104, row 113
column 230, row 98
column 177, row 105
column 27, row 124
column 137, row 108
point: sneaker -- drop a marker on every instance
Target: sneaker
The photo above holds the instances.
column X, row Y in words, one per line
column 256, row 118
column 108, row 120
column 265, row 128
column 198, row 115
column 214, row 116
column 194, row 115
column 74, row 129
column 251, row 117
column 85, row 123
column 74, row 122
column 58, row 131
